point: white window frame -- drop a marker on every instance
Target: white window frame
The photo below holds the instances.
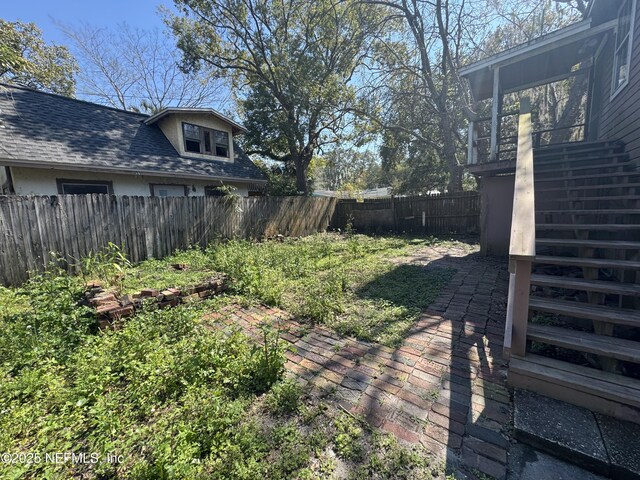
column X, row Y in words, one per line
column 616, row 89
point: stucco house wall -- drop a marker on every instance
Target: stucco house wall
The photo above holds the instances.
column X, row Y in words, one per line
column 34, row 181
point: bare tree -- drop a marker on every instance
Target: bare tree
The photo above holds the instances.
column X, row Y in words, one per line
column 415, row 94
column 138, row 69
column 416, row 75
column 559, row 104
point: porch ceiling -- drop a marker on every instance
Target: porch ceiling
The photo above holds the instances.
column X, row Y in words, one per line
column 538, row 62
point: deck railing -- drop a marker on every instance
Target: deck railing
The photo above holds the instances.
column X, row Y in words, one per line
column 479, row 138
column 522, row 246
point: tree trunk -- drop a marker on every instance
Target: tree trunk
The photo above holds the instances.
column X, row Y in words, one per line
column 572, row 110
column 301, row 174
column 449, row 153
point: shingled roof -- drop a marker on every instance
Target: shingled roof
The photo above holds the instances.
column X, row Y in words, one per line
column 44, row 130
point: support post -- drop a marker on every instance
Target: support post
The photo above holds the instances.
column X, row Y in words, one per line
column 508, row 328
column 472, row 149
column 520, row 308
column 495, row 107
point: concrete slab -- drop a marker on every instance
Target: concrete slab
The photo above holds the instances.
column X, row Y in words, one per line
column 622, row 442
column 561, row 429
column 526, row 463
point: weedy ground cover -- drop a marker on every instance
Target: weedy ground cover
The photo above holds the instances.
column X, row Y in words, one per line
column 174, row 398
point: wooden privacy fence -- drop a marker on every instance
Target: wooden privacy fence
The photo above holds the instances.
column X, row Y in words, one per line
column 74, row 225
column 456, row 213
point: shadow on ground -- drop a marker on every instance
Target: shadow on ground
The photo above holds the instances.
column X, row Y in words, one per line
column 444, row 386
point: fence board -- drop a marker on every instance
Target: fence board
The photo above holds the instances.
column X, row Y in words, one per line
column 457, row 213
column 75, row 225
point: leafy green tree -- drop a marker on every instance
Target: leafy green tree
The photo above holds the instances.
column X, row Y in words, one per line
column 519, row 22
column 411, row 167
column 297, row 61
column 348, row 166
column 282, row 179
column 416, row 95
column 26, row 59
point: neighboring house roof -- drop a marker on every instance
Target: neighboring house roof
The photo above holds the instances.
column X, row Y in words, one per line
column 380, row 192
column 44, row 130
column 237, row 128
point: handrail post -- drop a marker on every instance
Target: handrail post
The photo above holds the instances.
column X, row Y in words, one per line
column 522, row 245
column 472, row 149
column 521, row 288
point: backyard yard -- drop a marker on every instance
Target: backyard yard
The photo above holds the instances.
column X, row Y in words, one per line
column 177, row 393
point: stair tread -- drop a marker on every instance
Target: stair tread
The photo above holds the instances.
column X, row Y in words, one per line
column 587, row 177
column 588, row 262
column 590, row 187
column 569, row 242
column 621, row 316
column 589, row 199
column 543, row 154
column 600, row 211
column 572, row 283
column 618, row 348
column 551, row 158
column 584, row 145
column 587, row 226
column 554, row 169
column 606, row 385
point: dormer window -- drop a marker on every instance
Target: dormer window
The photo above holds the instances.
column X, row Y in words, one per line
column 206, row 141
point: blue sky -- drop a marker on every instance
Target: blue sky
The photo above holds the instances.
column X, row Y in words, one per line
column 105, row 13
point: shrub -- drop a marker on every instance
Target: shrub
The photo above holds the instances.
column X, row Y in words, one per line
column 50, row 323
column 268, row 359
column 107, row 265
column 284, row 398
column 348, row 438
column 162, row 383
column 293, row 452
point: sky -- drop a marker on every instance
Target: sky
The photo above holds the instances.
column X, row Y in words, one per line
column 104, row 13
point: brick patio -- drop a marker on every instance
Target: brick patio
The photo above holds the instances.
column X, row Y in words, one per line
column 444, row 387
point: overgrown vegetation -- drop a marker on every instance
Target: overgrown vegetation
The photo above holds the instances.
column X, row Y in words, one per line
column 347, row 283
column 172, row 397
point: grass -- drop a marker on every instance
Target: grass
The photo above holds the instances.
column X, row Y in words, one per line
column 175, row 399
column 348, row 284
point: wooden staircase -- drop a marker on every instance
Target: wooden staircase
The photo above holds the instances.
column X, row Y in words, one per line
column 583, row 332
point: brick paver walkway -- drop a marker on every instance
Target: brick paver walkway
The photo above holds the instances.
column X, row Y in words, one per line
column 444, row 387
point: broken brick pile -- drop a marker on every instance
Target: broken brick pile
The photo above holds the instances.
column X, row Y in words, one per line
column 110, row 307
